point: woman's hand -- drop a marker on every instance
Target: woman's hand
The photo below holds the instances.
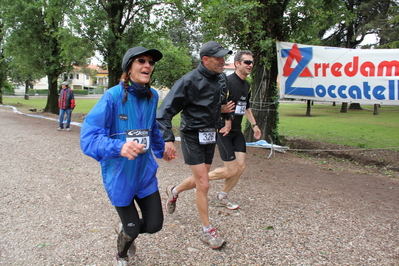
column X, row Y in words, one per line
column 170, row 151
column 131, row 150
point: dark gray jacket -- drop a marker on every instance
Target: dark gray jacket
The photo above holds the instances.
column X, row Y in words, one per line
column 198, row 95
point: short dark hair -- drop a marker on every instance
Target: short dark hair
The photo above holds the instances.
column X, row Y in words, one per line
column 240, row 53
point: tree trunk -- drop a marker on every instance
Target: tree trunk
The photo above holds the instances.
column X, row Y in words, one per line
column 52, row 98
column 344, row 107
column 264, row 108
column 27, row 90
column 308, row 104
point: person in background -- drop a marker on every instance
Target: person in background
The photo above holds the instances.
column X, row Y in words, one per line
column 198, row 95
column 66, row 104
column 232, row 147
column 121, row 133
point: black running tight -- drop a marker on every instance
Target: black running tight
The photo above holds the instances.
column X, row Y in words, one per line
column 151, row 221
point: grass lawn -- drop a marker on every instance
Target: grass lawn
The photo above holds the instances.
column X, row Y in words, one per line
column 357, row 128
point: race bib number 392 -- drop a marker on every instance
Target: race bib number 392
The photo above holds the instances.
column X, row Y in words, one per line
column 141, row 136
column 207, row 136
column 241, row 106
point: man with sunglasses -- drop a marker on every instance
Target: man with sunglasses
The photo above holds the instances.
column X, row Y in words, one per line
column 232, row 147
column 198, row 95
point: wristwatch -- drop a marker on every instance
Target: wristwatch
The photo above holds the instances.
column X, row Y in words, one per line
column 254, row 125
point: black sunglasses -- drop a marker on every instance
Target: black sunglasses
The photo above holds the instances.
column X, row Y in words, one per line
column 142, row 61
column 248, row 62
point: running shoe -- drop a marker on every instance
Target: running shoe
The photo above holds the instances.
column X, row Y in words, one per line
column 132, row 249
column 225, row 202
column 213, row 239
column 60, row 128
column 68, row 129
column 171, row 201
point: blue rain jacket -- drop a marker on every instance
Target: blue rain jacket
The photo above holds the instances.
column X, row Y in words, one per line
column 103, row 134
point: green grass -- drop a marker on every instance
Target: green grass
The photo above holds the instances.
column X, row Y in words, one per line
column 357, row 128
column 82, row 105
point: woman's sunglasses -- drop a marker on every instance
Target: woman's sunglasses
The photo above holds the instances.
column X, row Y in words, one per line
column 142, row 61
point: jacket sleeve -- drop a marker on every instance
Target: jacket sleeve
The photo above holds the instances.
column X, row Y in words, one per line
column 158, row 144
column 171, row 106
column 72, row 100
column 94, row 135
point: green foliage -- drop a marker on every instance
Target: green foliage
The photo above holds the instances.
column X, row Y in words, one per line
column 39, row 92
column 7, row 88
column 115, row 26
column 80, row 92
column 165, row 72
column 39, row 43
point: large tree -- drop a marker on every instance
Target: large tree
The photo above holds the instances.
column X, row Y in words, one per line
column 39, row 39
column 256, row 25
column 114, row 26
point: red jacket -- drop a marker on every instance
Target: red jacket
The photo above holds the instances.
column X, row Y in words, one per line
column 66, row 99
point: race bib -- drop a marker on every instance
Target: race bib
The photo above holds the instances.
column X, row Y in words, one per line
column 241, row 106
column 141, row 136
column 207, row 136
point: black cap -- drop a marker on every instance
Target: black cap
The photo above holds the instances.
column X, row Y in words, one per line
column 135, row 51
column 213, row 48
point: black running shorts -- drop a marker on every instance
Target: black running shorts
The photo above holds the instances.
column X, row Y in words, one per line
column 193, row 152
column 228, row 145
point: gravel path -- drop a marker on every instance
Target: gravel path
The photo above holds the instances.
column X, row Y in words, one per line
column 295, row 211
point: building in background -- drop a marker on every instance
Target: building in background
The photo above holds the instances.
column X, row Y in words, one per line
column 89, row 78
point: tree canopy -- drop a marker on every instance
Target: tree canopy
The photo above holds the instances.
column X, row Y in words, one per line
column 50, row 37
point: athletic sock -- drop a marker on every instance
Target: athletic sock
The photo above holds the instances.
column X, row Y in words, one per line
column 222, row 195
column 206, row 229
column 174, row 191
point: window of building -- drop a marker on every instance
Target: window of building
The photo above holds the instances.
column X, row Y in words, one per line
column 77, row 76
column 70, row 76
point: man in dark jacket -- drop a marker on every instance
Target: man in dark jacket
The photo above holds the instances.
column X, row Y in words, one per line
column 198, row 95
column 66, row 103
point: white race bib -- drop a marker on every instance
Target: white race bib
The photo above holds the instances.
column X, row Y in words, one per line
column 241, row 106
column 141, row 136
column 207, row 136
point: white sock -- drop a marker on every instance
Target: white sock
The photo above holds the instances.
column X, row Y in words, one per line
column 206, row 229
column 174, row 192
column 222, row 195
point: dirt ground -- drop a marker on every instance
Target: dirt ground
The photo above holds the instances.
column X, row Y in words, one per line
column 316, row 204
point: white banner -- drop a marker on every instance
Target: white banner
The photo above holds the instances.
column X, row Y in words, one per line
column 369, row 76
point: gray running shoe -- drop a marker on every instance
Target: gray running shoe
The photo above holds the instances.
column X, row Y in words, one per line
column 225, row 202
column 171, row 201
column 213, row 239
column 132, row 249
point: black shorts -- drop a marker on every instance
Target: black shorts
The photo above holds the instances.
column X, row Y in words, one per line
column 193, row 152
column 228, row 145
